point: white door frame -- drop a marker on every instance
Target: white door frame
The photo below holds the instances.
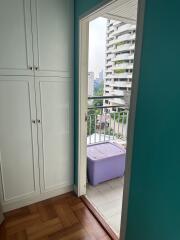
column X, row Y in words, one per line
column 82, row 104
column 83, row 93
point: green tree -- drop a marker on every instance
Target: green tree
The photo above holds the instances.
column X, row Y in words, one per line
column 92, row 113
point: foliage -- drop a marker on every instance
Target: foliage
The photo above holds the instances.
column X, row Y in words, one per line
column 91, row 122
column 92, row 112
column 119, row 71
column 98, row 92
column 120, row 61
column 119, row 117
column 120, row 43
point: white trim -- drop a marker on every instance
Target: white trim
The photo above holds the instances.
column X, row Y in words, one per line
column 40, row 197
column 132, row 114
column 83, row 93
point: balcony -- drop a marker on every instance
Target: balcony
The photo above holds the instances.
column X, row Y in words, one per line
column 122, row 75
column 109, row 57
column 108, row 70
column 110, row 43
column 117, row 92
column 124, row 56
column 124, row 47
column 121, row 84
column 123, row 66
column 110, row 29
column 108, row 76
column 108, row 64
column 125, row 37
column 124, row 28
column 107, row 125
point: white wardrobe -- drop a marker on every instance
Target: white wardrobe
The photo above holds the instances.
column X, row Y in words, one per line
column 36, row 100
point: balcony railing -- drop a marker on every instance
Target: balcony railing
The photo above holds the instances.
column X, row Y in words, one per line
column 107, row 123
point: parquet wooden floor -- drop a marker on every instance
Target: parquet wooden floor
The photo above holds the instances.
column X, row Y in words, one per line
column 60, row 218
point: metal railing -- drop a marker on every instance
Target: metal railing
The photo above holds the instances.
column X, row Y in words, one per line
column 106, row 124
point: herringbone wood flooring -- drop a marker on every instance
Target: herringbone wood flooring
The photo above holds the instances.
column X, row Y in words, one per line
column 60, row 218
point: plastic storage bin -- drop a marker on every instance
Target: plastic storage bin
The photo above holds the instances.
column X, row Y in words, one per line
column 105, row 161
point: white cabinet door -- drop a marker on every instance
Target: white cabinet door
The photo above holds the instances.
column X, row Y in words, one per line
column 16, row 55
column 53, row 36
column 55, row 133
column 18, row 139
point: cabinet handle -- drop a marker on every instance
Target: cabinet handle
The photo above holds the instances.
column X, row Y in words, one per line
column 36, row 68
column 33, row 121
column 38, row 121
column 30, row 68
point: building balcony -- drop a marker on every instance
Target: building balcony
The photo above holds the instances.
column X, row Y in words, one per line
column 118, row 101
column 121, row 84
column 108, row 70
column 123, row 57
column 110, row 29
column 121, row 75
column 110, row 38
column 108, row 64
column 124, row 28
column 125, row 37
column 117, row 92
column 109, row 50
column 124, row 47
column 108, row 76
column 110, row 43
column 123, row 66
column 108, row 87
column 109, row 57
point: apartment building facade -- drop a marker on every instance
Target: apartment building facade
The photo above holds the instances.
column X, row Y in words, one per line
column 120, row 46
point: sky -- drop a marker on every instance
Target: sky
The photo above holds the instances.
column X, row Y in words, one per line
column 97, row 43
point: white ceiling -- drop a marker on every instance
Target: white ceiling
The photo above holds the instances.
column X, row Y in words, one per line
column 125, row 10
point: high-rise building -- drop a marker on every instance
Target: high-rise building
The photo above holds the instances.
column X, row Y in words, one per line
column 120, row 46
column 90, row 84
column 101, row 75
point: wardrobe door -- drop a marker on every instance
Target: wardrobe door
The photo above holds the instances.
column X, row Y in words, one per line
column 53, row 36
column 16, row 38
column 18, row 139
column 55, row 132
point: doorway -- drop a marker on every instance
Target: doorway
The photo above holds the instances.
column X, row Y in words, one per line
column 106, row 127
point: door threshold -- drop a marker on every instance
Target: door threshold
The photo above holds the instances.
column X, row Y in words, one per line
column 99, row 218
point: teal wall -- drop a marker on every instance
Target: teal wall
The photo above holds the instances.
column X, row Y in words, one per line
column 154, row 201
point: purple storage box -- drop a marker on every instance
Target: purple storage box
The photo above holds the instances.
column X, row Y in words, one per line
column 105, row 161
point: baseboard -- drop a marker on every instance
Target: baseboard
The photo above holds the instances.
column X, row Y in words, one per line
column 76, row 190
column 40, row 197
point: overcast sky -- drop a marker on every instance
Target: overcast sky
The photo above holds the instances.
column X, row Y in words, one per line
column 97, row 42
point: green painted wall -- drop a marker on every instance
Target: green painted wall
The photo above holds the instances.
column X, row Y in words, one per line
column 154, row 201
